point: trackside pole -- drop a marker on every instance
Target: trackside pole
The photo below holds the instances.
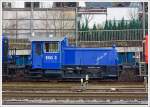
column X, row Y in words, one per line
column 81, row 81
column 84, row 85
column 87, row 79
column 146, row 84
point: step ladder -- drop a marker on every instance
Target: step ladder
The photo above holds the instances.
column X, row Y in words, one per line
column 5, row 69
column 142, row 69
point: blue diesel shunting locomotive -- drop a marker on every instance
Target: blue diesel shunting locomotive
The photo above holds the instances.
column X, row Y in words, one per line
column 54, row 55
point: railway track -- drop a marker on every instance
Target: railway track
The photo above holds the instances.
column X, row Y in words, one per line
column 56, row 83
column 73, row 91
column 68, row 85
column 77, row 95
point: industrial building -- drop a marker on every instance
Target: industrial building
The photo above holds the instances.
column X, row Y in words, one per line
column 74, row 53
column 22, row 20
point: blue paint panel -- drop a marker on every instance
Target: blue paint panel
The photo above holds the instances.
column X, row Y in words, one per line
column 51, row 61
column 90, row 56
column 68, row 57
column 45, row 60
column 37, row 57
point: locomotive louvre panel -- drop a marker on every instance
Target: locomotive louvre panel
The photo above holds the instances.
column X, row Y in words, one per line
column 93, row 57
column 90, row 56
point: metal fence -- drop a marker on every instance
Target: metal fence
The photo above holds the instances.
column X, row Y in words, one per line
column 106, row 38
column 111, row 35
column 91, row 38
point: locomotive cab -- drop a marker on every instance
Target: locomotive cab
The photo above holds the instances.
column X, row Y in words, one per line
column 46, row 53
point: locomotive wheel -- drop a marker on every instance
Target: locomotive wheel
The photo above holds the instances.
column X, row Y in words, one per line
column 128, row 76
column 19, row 76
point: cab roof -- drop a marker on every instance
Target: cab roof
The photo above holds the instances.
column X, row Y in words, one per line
column 39, row 39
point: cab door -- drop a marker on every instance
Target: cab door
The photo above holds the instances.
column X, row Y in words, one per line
column 51, row 56
column 37, row 55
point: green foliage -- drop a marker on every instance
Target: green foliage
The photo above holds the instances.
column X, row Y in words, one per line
column 79, row 26
column 86, row 25
column 119, row 26
column 110, row 25
column 146, row 21
column 122, row 23
column 94, row 27
column 106, row 25
column 82, row 27
column 126, row 25
column 133, row 24
column 114, row 27
column 102, row 34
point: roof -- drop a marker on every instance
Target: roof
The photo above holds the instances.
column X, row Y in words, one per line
column 94, row 49
column 47, row 38
column 98, row 4
column 120, row 4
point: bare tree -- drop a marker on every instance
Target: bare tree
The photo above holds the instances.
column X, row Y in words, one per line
column 132, row 13
column 7, row 28
column 87, row 16
column 56, row 22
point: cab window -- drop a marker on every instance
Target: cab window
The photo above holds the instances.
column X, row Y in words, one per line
column 51, row 47
column 38, row 48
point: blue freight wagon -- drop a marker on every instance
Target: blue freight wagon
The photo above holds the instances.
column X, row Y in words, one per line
column 4, row 55
column 4, row 49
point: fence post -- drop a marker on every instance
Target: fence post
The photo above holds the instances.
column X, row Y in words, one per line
column 76, row 23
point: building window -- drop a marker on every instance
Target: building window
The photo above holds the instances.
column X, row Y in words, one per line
column 36, row 4
column 65, row 4
column 6, row 5
column 59, row 4
column 71, row 4
column 29, row 4
column 51, row 47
